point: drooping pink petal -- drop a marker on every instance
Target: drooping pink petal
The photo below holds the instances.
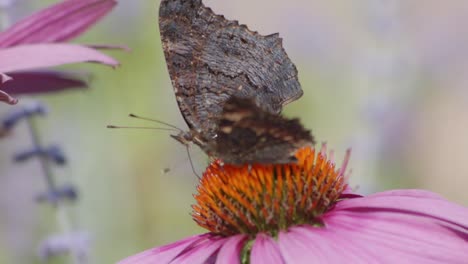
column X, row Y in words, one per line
column 4, row 97
column 411, row 240
column 409, row 202
column 265, row 251
column 295, row 250
column 164, row 254
column 57, row 23
column 230, row 252
column 409, row 193
column 48, row 55
column 343, row 247
column 390, row 227
column 203, row 252
column 32, row 82
column 319, row 245
column 404, row 226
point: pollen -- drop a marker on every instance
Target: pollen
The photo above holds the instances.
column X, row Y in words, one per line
column 268, row 198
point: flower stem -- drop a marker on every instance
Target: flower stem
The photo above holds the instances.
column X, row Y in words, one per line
column 63, row 219
column 42, row 159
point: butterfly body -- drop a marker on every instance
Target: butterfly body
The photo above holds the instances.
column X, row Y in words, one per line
column 248, row 134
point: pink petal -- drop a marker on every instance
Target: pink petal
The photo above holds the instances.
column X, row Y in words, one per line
column 320, row 245
column 4, row 97
column 295, row 249
column 231, row 250
column 164, row 254
column 265, row 251
column 390, row 227
column 32, row 82
column 57, row 23
column 200, row 253
column 409, row 193
column 409, row 240
column 406, row 226
column 409, row 202
column 4, row 78
column 48, row 55
column 337, row 246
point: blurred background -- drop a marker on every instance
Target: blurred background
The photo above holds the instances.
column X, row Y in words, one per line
column 384, row 77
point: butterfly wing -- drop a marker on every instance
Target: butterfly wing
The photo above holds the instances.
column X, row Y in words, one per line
column 210, row 59
column 248, row 134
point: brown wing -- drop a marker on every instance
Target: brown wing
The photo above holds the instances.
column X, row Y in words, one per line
column 248, row 134
column 211, row 58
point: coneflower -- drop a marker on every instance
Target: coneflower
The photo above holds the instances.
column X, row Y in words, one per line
column 305, row 213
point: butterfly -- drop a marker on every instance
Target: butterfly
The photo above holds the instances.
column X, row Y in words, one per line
column 230, row 84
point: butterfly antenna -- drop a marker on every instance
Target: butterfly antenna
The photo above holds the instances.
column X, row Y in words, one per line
column 141, row 127
column 155, row 120
column 191, row 163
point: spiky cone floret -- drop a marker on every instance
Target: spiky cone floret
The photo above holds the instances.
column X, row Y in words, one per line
column 267, row 198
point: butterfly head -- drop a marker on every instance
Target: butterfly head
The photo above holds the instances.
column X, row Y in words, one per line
column 184, row 138
column 187, row 137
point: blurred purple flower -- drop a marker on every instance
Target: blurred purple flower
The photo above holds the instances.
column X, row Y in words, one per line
column 35, row 42
column 305, row 213
column 55, row 245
